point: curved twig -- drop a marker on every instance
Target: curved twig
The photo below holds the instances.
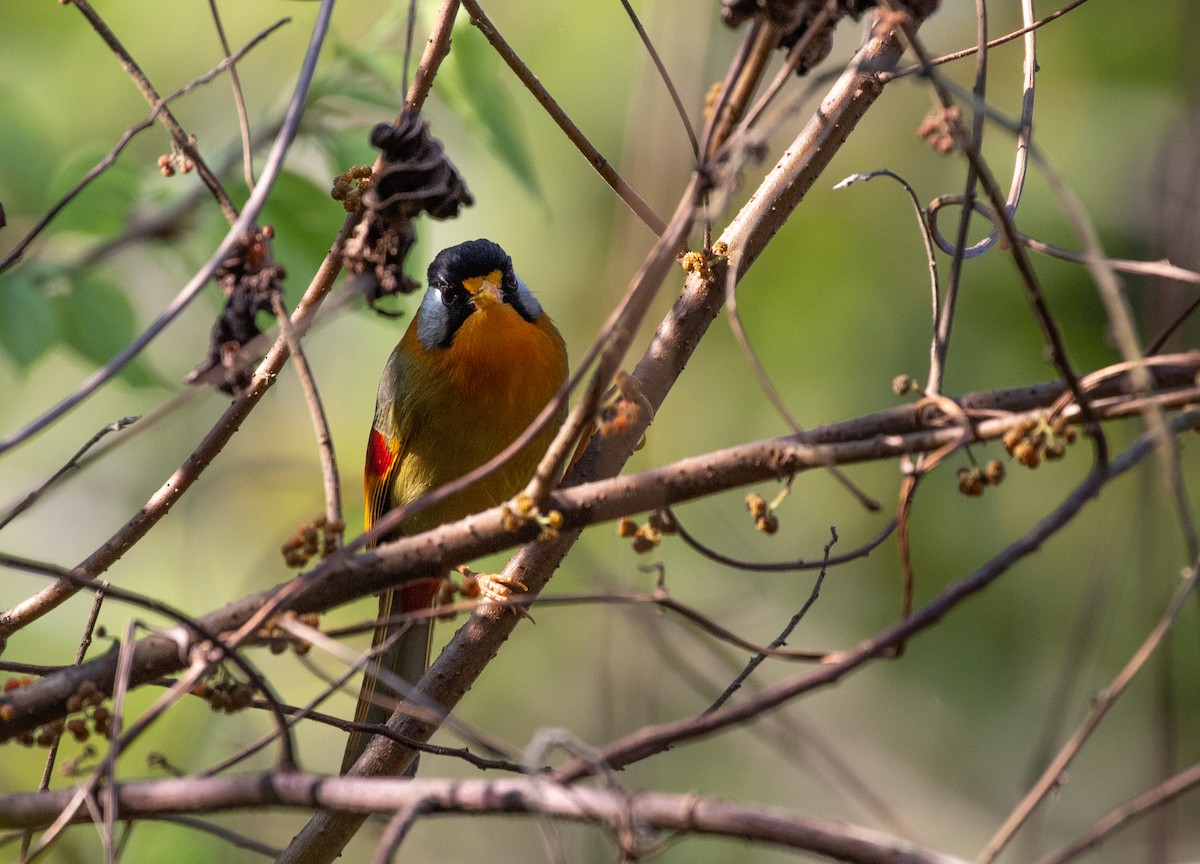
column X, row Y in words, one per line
column 780, row 566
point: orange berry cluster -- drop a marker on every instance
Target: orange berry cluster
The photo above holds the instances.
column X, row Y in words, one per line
column 648, row 536
column 350, row 186
column 320, row 536
column 87, row 699
column 1030, row 440
column 170, row 163
column 942, row 130
column 973, row 480
column 227, row 695
column 278, row 640
column 762, row 512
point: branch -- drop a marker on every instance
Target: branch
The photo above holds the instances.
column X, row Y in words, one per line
column 179, row 136
column 654, row 739
column 343, row 578
column 1101, row 704
column 234, row 236
column 628, row 815
column 1120, row 817
column 601, row 165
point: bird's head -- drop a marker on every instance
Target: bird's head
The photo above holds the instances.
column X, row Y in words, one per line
column 471, row 278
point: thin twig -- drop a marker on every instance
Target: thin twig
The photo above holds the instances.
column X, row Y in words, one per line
column 601, row 165
column 1101, row 704
column 127, row 136
column 935, row 353
column 945, row 318
column 233, row 838
column 334, row 523
column 768, row 386
column 179, row 135
column 238, row 100
column 799, row 564
column 782, row 638
column 665, row 76
column 1120, row 817
column 72, row 463
column 918, row 68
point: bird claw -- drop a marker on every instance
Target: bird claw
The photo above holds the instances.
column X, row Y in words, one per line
column 493, row 588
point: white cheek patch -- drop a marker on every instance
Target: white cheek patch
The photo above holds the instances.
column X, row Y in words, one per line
column 525, row 302
column 433, row 320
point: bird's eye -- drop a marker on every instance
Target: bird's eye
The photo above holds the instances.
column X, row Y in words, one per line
column 443, row 309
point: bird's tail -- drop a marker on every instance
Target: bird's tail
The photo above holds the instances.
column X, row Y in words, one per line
column 407, row 658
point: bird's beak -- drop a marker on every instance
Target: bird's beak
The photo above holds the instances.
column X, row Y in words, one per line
column 484, row 290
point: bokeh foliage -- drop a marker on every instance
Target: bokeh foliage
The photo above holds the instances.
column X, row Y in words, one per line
column 948, row 735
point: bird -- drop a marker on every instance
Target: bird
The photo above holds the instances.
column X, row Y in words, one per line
column 477, row 364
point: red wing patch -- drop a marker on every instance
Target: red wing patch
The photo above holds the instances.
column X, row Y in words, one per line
column 382, row 453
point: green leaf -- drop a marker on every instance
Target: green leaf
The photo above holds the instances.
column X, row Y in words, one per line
column 102, row 207
column 470, row 84
column 305, row 220
column 28, row 326
column 98, row 322
column 348, row 147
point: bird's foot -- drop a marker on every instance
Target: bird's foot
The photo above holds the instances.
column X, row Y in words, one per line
column 493, row 588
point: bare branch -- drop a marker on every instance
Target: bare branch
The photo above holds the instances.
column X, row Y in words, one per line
column 617, row 810
column 1122, row 816
column 179, row 136
column 1101, row 704
column 655, row 739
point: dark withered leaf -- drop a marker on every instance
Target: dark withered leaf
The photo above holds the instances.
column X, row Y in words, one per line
column 795, row 17
column 415, row 177
column 249, row 279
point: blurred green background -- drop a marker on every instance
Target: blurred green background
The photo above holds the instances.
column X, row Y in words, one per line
column 937, row 746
